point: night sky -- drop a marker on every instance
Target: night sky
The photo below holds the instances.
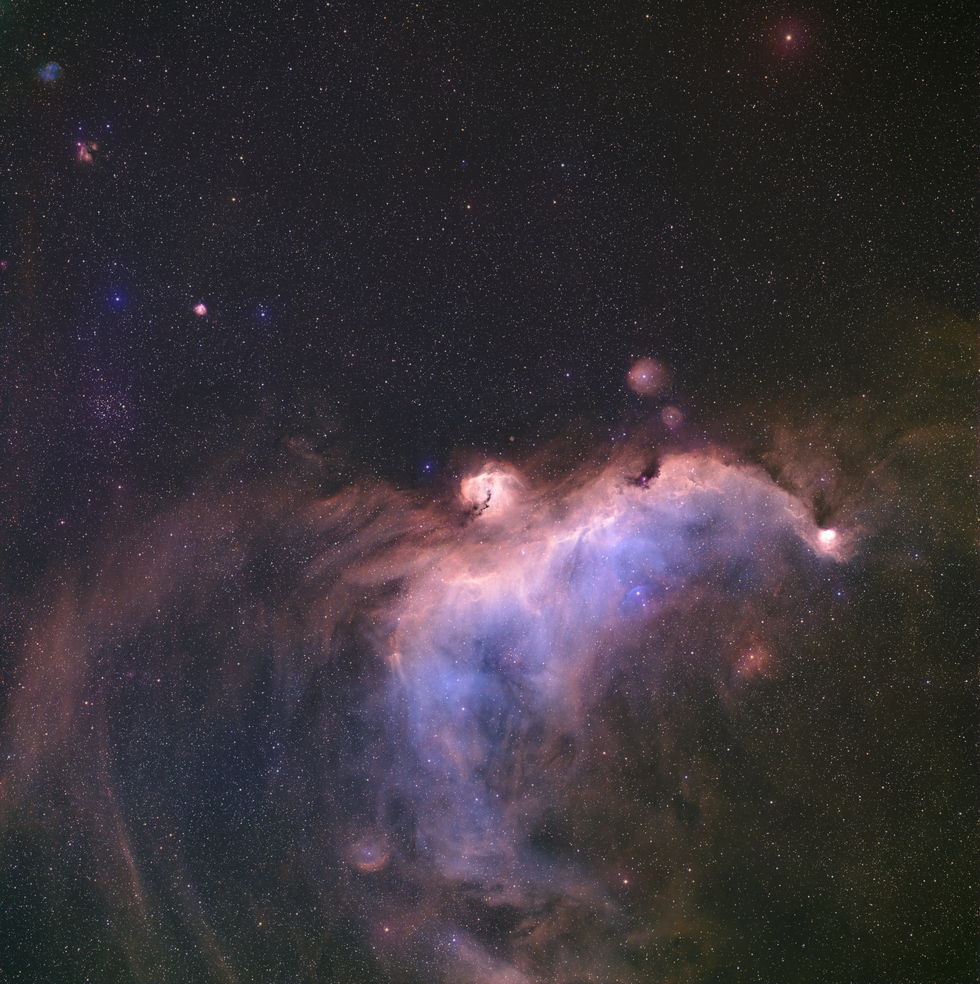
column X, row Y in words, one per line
column 489, row 492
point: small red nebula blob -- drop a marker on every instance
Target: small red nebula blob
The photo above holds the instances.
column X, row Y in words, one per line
column 200, row 310
column 672, row 417
column 648, row 377
column 753, row 662
column 86, row 150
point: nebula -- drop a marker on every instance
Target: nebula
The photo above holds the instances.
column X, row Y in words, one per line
column 576, row 722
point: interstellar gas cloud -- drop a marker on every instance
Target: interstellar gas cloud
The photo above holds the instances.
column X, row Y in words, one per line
column 660, row 709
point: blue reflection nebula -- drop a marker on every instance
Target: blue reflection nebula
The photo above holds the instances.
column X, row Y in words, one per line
column 638, row 601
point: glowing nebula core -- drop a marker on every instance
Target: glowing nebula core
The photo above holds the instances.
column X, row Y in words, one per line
column 648, row 377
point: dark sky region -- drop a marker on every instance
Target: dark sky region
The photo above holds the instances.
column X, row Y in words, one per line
column 489, row 492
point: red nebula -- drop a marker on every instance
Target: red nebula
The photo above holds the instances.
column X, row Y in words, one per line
column 86, row 150
column 648, row 377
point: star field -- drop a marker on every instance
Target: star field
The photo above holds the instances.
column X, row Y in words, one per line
column 489, row 493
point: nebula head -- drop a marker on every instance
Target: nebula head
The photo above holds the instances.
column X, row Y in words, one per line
column 493, row 492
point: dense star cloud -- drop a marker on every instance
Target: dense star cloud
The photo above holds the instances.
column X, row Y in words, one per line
column 489, row 494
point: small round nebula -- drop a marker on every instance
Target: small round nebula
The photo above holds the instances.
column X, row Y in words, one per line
column 200, row 309
column 49, row 72
column 638, row 601
column 672, row 417
column 369, row 853
column 648, row 377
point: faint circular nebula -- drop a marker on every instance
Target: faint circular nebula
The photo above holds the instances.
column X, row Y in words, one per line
column 369, row 853
column 672, row 417
column 648, row 377
column 50, row 72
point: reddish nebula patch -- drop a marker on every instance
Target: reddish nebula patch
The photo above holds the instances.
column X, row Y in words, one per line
column 648, row 377
column 86, row 150
column 369, row 853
